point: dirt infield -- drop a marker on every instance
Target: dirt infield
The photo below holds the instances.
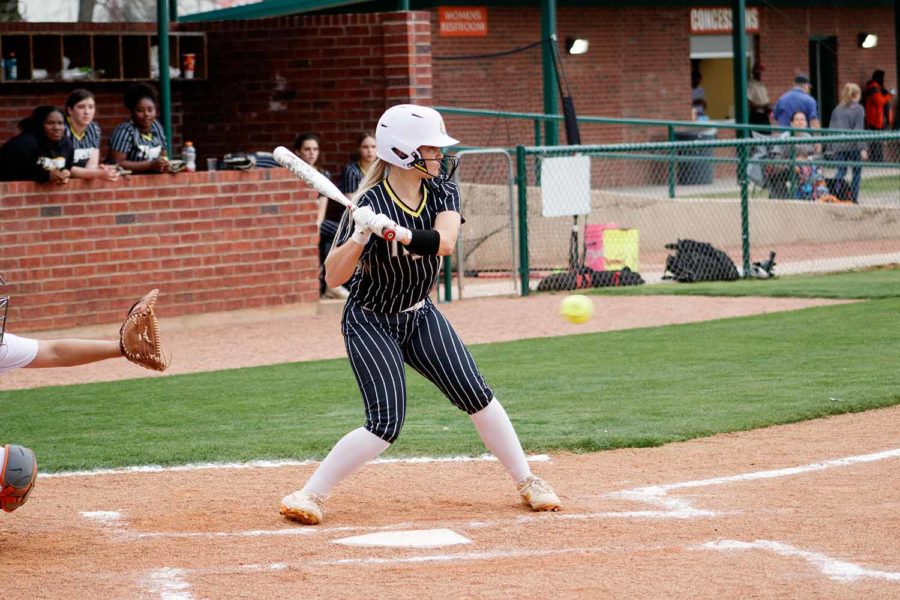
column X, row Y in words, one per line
column 800, row 511
column 808, row 510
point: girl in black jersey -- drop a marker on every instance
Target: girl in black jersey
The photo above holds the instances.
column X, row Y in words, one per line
column 328, row 212
column 355, row 171
column 139, row 144
column 41, row 152
column 85, row 135
column 389, row 319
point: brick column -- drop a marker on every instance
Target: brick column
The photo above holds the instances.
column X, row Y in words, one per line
column 407, row 57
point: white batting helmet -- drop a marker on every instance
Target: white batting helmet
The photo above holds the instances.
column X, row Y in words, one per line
column 402, row 129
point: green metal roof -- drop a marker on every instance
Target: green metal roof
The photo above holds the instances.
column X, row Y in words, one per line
column 267, row 8
column 278, row 8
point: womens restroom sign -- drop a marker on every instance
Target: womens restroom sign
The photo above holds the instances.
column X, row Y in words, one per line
column 462, row 21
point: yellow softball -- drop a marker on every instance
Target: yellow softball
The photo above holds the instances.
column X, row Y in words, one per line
column 576, row 308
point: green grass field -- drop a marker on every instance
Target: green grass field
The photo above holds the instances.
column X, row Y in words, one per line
column 881, row 282
column 579, row 393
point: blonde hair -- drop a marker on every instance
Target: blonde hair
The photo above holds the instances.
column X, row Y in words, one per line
column 376, row 173
column 850, row 93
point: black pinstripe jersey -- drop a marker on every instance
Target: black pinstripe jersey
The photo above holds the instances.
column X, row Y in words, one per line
column 389, row 279
column 128, row 139
column 87, row 141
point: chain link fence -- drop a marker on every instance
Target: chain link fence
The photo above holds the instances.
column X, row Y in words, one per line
column 811, row 200
column 486, row 248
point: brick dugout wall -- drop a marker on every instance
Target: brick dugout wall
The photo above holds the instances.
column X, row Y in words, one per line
column 210, row 241
column 269, row 80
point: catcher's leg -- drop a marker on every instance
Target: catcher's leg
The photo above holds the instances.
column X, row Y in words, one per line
column 18, row 470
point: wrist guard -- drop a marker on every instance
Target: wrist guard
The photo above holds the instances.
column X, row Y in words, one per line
column 424, row 242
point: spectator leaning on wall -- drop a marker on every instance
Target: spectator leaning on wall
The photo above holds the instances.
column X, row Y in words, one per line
column 41, row 152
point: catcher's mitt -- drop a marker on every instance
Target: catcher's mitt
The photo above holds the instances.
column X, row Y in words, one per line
column 139, row 336
column 18, row 470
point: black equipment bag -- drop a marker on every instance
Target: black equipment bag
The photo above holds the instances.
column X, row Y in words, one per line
column 699, row 261
column 584, row 277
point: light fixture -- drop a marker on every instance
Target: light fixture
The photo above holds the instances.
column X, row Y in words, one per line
column 867, row 40
column 576, row 45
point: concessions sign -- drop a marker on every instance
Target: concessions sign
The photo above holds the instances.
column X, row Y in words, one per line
column 460, row 21
column 718, row 20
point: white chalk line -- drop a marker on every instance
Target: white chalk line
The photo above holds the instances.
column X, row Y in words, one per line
column 275, row 464
column 672, row 508
column 170, row 580
column 168, row 584
column 110, row 518
column 838, row 570
column 482, row 524
column 417, row 558
column 657, row 495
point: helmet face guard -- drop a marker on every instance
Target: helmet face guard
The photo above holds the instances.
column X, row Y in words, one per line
column 449, row 164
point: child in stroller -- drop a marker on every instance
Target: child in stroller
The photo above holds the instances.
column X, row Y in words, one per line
column 769, row 168
column 810, row 179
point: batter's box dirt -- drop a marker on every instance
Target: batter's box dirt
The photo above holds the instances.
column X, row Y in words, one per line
column 798, row 511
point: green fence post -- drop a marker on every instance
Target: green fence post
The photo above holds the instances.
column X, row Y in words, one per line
column 448, row 280
column 745, row 208
column 537, row 132
column 671, row 134
column 522, row 182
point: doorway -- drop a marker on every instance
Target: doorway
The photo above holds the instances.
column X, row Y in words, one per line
column 823, row 75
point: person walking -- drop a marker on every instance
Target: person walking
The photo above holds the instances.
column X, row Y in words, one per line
column 389, row 319
column 848, row 115
column 797, row 99
column 877, row 104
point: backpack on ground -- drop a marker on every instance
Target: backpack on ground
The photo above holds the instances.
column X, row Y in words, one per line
column 584, row 277
column 699, row 261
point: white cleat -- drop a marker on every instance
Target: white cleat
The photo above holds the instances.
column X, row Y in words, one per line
column 304, row 507
column 538, row 495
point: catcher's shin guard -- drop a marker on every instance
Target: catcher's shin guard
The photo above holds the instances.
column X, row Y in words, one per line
column 18, row 470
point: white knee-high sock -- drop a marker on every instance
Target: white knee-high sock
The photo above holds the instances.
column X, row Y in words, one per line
column 350, row 453
column 498, row 434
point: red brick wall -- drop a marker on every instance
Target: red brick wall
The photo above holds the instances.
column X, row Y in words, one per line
column 210, row 241
column 272, row 79
column 784, row 39
column 638, row 64
column 269, row 80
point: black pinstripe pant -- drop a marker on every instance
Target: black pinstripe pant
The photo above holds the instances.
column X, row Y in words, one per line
column 378, row 344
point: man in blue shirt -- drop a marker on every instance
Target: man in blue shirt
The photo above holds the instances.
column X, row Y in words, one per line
column 797, row 100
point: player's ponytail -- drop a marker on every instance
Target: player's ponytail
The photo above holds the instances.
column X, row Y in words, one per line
column 376, row 173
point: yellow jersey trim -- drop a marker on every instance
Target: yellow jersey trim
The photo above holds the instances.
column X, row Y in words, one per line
column 75, row 134
column 404, row 207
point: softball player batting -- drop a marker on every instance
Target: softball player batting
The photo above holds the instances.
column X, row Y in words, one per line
column 389, row 319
